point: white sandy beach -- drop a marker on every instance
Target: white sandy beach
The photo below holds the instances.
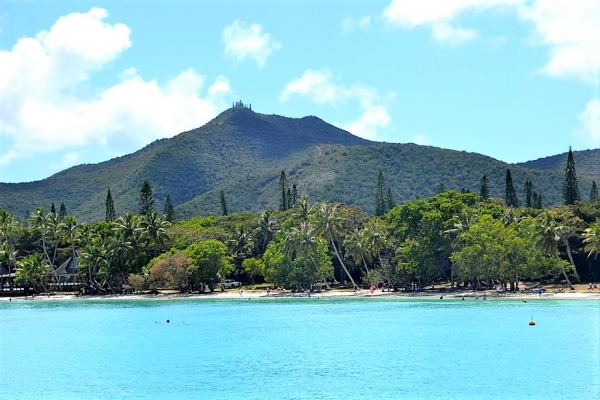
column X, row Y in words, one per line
column 365, row 293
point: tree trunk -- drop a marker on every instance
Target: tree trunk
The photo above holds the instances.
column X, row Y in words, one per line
column 341, row 262
column 562, row 268
column 571, row 260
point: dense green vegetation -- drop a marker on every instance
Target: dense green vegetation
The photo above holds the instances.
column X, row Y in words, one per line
column 451, row 237
column 238, row 158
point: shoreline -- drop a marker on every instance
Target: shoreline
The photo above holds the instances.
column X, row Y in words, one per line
column 262, row 295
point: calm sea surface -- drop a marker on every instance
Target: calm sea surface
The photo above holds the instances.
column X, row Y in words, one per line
column 300, row 349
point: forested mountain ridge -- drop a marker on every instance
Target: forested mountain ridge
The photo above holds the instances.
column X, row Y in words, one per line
column 587, row 162
column 242, row 153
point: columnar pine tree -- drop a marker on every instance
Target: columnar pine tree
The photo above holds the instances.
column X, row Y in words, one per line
column 62, row 212
column 288, row 197
column 169, row 210
column 528, row 194
column 390, row 203
column 53, row 209
column 380, row 194
column 570, row 187
column 441, row 188
column 110, row 207
column 294, row 194
column 537, row 201
column 223, row 204
column 484, row 192
column 594, row 192
column 511, row 195
column 146, row 200
column 283, row 186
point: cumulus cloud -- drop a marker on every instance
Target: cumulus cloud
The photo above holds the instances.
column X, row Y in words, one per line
column 321, row 87
column 589, row 120
column 569, row 28
column 244, row 41
column 438, row 16
column 41, row 110
column 572, row 31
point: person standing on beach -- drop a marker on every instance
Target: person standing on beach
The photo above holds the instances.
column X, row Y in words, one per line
column 241, row 292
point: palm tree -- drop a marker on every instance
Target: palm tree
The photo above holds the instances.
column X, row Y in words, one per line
column 462, row 223
column 301, row 242
column 265, row 231
column 128, row 224
column 118, row 251
column 93, row 257
column 154, row 230
column 591, row 238
column 9, row 227
column 547, row 235
column 356, row 248
column 302, row 210
column 47, row 225
column 328, row 224
column 241, row 245
column 70, row 231
column 34, row 270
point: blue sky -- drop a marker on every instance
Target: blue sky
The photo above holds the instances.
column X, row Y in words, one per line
column 83, row 82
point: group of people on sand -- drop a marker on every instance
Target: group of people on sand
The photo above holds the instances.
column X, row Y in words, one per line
column 592, row 286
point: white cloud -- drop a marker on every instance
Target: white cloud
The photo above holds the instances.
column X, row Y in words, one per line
column 248, row 41
column 589, row 120
column 321, row 88
column 422, row 139
column 350, row 23
column 572, row 31
column 450, row 35
column 41, row 112
column 438, row 16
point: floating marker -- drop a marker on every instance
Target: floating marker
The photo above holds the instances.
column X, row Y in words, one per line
column 532, row 322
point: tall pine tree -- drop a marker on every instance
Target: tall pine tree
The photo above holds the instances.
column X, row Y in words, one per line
column 389, row 199
column 594, row 192
column 484, row 192
column 380, row 194
column 570, row 187
column 224, row 210
column 62, row 212
column 169, row 210
column 294, row 194
column 110, row 207
column 510, row 195
column 146, row 200
column 528, row 194
column 282, row 185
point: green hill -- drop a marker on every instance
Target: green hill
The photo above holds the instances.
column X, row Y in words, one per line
column 242, row 153
column 587, row 164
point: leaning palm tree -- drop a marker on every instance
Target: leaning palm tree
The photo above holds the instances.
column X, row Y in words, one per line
column 591, row 238
column 357, row 249
column 328, row 224
column 70, row 233
column 48, row 227
column 547, row 235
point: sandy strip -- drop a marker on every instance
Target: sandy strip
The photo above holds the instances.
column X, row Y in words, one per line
column 262, row 294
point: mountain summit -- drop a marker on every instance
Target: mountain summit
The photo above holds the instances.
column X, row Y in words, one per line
column 242, row 153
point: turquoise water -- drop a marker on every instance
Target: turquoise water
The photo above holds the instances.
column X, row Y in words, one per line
column 300, row 349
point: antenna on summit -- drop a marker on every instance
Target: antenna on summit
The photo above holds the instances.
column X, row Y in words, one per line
column 240, row 104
